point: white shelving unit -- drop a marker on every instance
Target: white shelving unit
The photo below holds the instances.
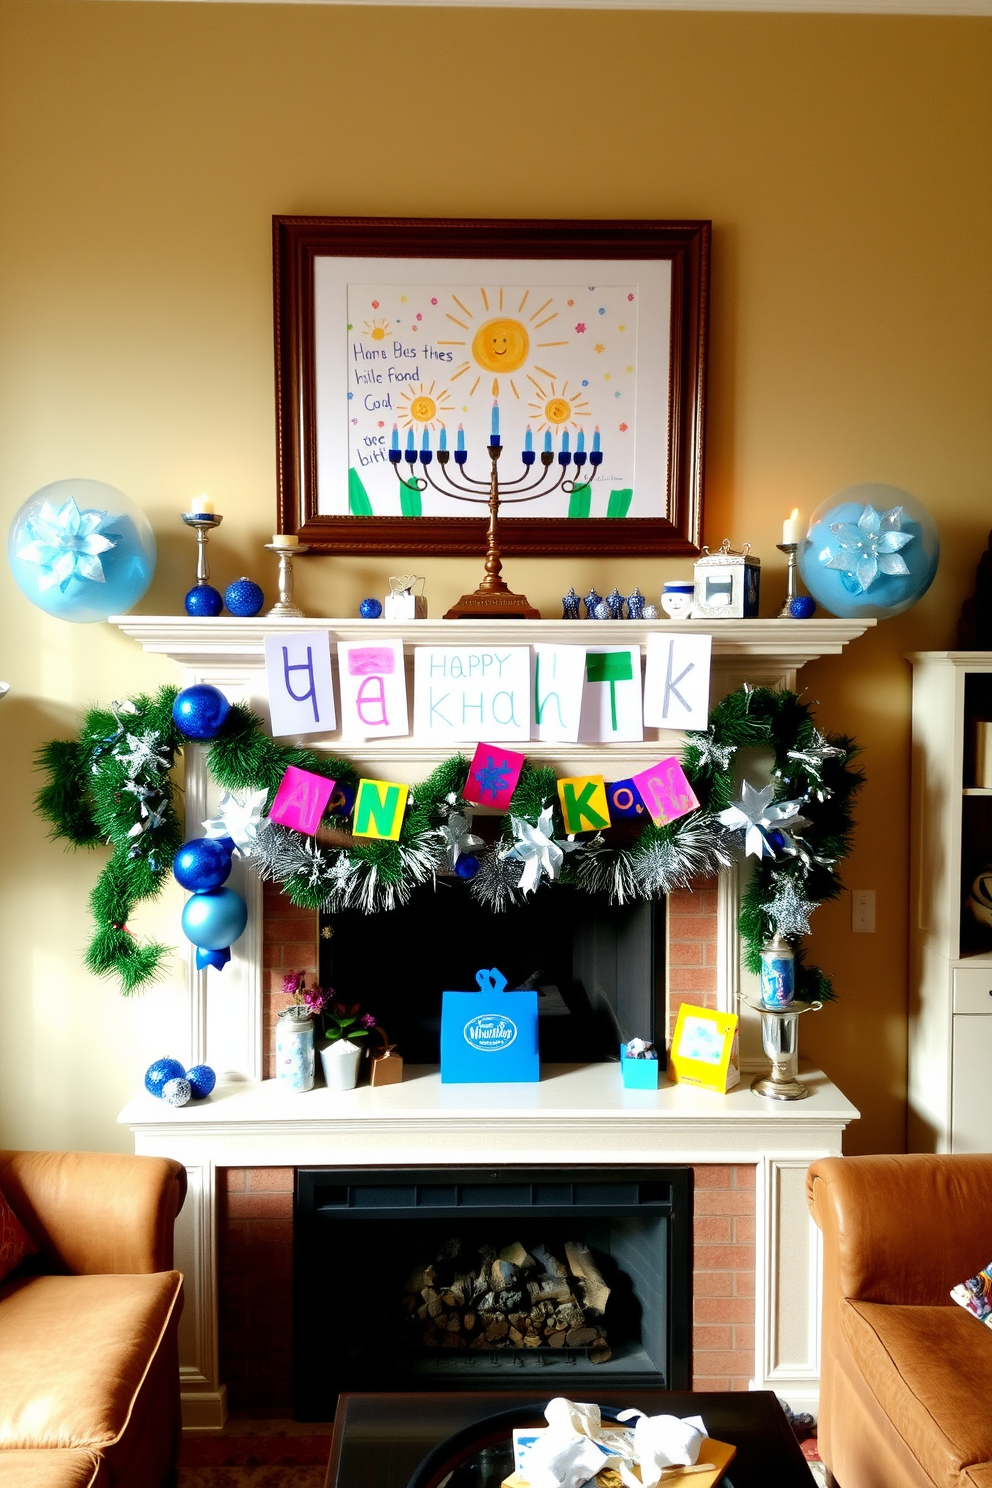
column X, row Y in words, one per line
column 950, row 1043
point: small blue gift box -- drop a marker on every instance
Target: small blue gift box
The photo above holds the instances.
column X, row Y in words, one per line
column 638, row 1074
column 490, row 1036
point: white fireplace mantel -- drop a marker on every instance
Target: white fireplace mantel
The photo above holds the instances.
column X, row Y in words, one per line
column 571, row 1115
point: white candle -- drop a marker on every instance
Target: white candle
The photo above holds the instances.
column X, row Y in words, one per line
column 284, row 540
column 201, row 506
column 792, row 528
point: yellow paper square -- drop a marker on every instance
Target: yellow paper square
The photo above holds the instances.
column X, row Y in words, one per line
column 583, row 803
column 379, row 808
column 704, row 1049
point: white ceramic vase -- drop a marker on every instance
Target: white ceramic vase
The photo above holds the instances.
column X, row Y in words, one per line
column 340, row 1062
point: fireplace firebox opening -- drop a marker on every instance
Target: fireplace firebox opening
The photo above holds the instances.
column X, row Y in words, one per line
column 565, row 1278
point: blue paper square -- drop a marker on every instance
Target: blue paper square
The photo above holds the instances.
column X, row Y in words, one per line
column 489, row 1037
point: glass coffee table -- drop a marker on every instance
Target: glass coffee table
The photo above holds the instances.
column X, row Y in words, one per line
column 380, row 1440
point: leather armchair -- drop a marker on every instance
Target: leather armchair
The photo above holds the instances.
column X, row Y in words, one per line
column 905, row 1373
column 89, row 1373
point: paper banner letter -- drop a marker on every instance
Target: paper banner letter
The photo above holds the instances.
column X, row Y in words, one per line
column 379, row 808
column 611, row 696
column 665, row 791
column 558, row 676
column 493, row 776
column 677, row 681
column 472, row 694
column 301, row 800
column 298, row 673
column 373, row 690
column 624, row 800
column 583, row 803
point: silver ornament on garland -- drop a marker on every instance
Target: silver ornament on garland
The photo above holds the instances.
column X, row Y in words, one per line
column 457, row 837
column 239, row 820
column 541, row 853
column 788, row 911
column 496, row 886
column 709, row 751
column 758, row 815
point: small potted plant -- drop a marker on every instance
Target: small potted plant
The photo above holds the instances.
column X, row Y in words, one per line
column 344, row 1026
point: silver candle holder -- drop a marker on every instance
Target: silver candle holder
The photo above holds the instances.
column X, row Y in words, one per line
column 203, row 523
column 791, row 579
column 780, row 1041
column 286, row 605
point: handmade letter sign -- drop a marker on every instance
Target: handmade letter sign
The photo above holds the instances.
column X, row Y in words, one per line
column 611, row 698
column 490, row 1036
column 471, row 694
column 373, row 690
column 559, row 672
column 583, row 803
column 665, row 791
column 301, row 800
column 493, row 776
column 379, row 808
column 704, row 1049
column 677, row 681
column 298, row 672
column 624, row 800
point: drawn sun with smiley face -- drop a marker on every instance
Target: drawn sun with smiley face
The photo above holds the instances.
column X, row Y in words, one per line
column 501, row 338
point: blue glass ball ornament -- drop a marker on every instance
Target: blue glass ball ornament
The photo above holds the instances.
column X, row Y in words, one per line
column 203, row 600
column 467, row 866
column 177, row 1092
column 802, row 607
column 81, row 550
column 201, row 1081
column 214, row 920
column 203, row 864
column 243, row 598
column 200, row 711
column 870, row 552
column 370, row 609
column 162, row 1070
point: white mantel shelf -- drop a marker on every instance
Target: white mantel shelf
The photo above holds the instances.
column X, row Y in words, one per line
column 781, row 646
column 574, row 1113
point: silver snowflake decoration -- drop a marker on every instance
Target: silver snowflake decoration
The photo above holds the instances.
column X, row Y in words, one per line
column 759, row 814
column 815, row 755
column 457, row 836
column 239, row 820
column 869, row 546
column 710, row 752
column 66, row 543
column 144, row 751
column 789, row 912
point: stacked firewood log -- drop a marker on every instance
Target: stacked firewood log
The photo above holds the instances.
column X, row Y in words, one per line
column 512, row 1298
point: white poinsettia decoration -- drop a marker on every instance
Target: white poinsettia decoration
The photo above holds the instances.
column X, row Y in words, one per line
column 66, row 543
column 870, row 546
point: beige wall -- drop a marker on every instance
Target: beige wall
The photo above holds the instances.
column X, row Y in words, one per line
column 845, row 162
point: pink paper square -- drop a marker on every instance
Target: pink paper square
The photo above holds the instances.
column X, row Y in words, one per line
column 665, row 791
column 300, row 800
column 493, row 776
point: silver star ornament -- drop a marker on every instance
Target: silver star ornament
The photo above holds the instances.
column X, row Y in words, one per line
column 239, row 820
column 537, row 849
column 789, row 912
column 757, row 813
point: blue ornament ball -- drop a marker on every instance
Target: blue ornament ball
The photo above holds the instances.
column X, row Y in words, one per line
column 162, row 1070
column 802, row 607
column 200, row 711
column 467, row 866
column 204, row 863
column 870, row 552
column 177, row 1092
column 214, row 920
column 243, row 598
column 81, row 550
column 201, row 1081
column 370, row 609
column 204, row 600
column 217, row 959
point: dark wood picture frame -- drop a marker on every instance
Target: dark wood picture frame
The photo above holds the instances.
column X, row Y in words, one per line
column 299, row 241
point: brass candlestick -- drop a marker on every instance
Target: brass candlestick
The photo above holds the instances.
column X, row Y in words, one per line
column 286, row 605
column 493, row 599
column 791, row 580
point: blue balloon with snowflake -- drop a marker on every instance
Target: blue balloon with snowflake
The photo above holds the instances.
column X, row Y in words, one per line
column 870, row 552
column 81, row 550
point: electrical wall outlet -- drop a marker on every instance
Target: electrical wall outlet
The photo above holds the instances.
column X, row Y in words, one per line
column 863, row 911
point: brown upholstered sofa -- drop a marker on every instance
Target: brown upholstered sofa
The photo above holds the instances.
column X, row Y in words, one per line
column 89, row 1371
column 905, row 1373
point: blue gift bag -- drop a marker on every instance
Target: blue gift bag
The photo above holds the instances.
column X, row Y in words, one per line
column 490, row 1036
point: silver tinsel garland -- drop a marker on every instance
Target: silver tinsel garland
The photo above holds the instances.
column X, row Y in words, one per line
column 496, row 886
column 598, row 870
column 698, row 850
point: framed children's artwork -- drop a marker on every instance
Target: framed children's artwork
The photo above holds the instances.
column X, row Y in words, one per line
column 704, row 1049
column 405, row 344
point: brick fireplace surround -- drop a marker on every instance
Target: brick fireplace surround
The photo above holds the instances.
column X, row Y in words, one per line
column 255, row 1205
column 757, row 1259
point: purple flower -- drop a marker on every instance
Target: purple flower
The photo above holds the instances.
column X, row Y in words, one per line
column 293, row 982
column 367, row 1020
column 316, row 1000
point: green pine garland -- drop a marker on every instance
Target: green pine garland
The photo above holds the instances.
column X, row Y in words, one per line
column 113, row 786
